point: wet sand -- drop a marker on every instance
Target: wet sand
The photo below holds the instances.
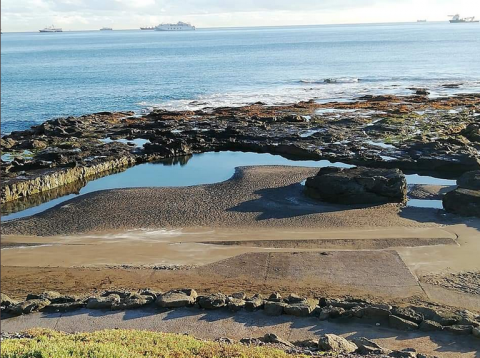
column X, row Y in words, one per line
column 113, row 239
column 260, row 197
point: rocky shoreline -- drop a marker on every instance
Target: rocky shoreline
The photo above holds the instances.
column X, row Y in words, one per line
column 412, row 133
column 429, row 318
column 413, row 317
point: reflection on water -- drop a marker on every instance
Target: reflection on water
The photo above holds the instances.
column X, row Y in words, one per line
column 204, row 168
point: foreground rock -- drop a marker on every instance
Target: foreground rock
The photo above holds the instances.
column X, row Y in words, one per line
column 358, row 185
column 177, row 298
column 423, row 318
column 28, row 306
column 465, row 200
column 332, row 342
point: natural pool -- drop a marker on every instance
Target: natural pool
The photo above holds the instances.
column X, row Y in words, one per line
column 204, row 168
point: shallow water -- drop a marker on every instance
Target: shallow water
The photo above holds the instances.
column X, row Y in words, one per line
column 205, row 168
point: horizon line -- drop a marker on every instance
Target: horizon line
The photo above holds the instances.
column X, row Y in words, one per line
column 259, row 26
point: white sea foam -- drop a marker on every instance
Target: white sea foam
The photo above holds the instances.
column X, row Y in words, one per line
column 337, row 89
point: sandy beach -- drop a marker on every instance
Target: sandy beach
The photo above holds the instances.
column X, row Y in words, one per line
column 129, row 238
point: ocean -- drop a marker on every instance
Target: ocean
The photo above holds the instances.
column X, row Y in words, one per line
column 48, row 75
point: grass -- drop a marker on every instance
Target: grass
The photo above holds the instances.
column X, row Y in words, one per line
column 127, row 344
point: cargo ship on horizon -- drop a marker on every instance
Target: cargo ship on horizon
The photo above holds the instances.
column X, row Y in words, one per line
column 456, row 19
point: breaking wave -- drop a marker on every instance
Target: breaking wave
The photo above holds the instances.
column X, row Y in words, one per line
column 324, row 90
column 332, row 80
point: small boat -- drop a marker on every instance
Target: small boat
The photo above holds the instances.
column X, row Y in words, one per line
column 148, row 28
column 51, row 29
column 456, row 19
column 179, row 26
column 106, row 29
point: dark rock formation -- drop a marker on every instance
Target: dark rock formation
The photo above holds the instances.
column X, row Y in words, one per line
column 358, row 185
column 213, row 301
column 465, row 200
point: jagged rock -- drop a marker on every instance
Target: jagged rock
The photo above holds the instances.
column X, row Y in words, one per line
column 476, row 332
column 401, row 323
column 443, row 317
column 294, row 298
column 301, row 309
column 54, row 297
column 276, row 297
column 103, row 302
column 422, row 92
column 463, row 202
column 339, row 303
column 358, row 185
column 213, row 301
column 373, row 312
column 403, row 354
column 459, row 329
column 470, row 180
column 332, row 342
column 468, row 318
column 48, row 295
column 272, row 308
column 28, row 306
column 330, row 312
column 177, row 298
column 7, row 143
column 7, row 301
column 309, row 343
column 366, row 346
column 235, row 304
column 255, row 303
column 150, row 295
column 134, row 300
column 472, row 132
column 239, row 295
column 121, row 293
column 429, row 326
column 408, row 314
column 65, row 307
column 273, row 338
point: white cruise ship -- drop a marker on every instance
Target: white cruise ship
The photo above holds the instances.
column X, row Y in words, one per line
column 179, row 26
column 51, row 29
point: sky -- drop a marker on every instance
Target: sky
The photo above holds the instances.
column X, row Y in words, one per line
column 32, row 15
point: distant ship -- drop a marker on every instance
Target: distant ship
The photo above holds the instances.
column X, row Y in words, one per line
column 148, row 28
column 421, row 20
column 179, row 26
column 51, row 29
column 456, row 19
column 106, row 29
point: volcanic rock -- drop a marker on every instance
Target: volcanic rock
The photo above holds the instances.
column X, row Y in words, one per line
column 358, row 185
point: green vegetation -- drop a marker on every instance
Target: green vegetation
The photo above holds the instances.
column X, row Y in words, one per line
column 126, row 344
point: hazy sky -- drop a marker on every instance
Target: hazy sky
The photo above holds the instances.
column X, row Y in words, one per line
column 31, row 15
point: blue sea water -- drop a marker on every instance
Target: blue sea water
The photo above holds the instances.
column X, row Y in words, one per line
column 47, row 75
